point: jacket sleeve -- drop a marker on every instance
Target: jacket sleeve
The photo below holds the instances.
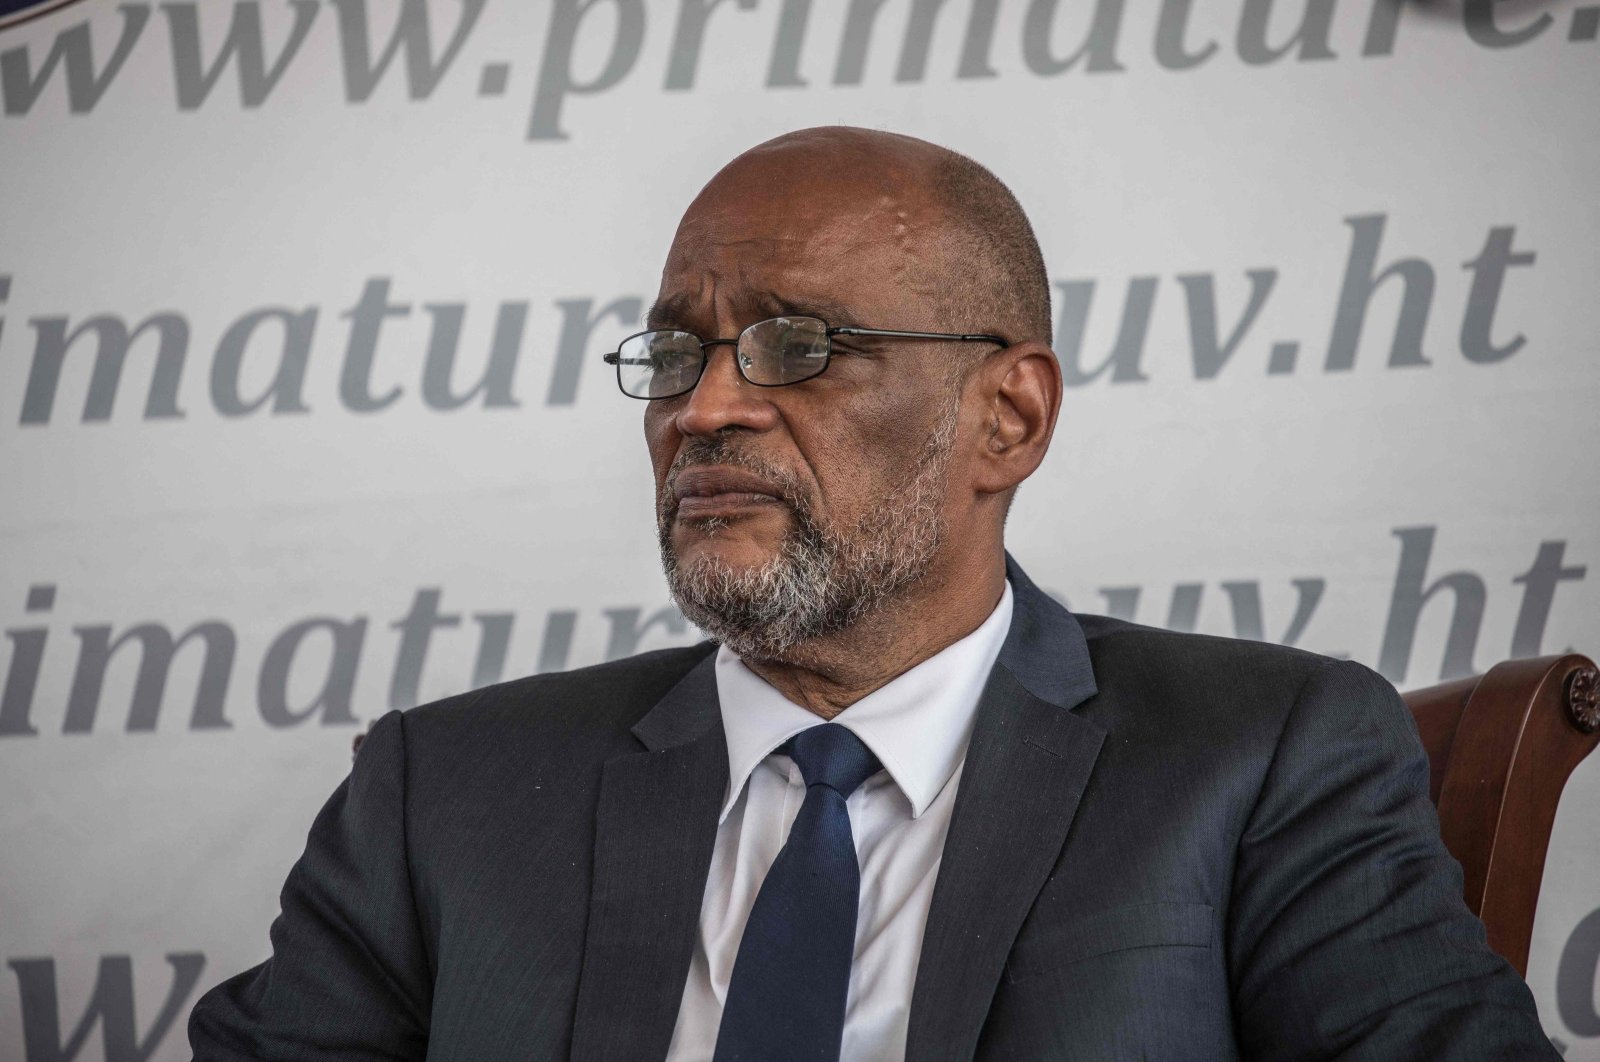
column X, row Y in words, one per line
column 349, row 976
column 1348, row 936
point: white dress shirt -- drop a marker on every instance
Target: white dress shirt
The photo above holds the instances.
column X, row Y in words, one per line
column 918, row 726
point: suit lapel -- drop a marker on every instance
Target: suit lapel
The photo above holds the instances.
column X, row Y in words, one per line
column 655, row 830
column 1027, row 765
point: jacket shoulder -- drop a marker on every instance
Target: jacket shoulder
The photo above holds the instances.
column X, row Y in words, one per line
column 1203, row 679
column 1108, row 634
column 598, row 702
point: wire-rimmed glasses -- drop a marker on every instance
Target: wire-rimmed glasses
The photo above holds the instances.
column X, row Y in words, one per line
column 776, row 352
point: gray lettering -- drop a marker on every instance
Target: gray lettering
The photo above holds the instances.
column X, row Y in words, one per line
column 974, row 62
column 783, row 71
column 1311, row 36
column 22, row 677
column 1184, row 610
column 1405, row 609
column 1122, row 602
column 1539, row 592
column 416, row 632
column 244, row 40
column 74, row 50
column 557, row 644
column 556, row 79
column 1123, row 361
column 498, row 375
column 1099, row 46
column 1361, row 280
column 366, row 319
column 492, row 647
column 1488, row 277
column 286, row 391
column 423, row 74
column 1171, row 28
column 1210, row 353
column 110, row 1006
column 1382, row 25
column 333, row 698
column 854, row 41
column 1478, row 17
column 578, row 322
column 919, row 35
column 112, row 342
column 688, row 38
column 1245, row 599
column 157, row 647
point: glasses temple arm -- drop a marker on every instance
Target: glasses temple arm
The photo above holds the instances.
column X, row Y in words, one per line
column 890, row 333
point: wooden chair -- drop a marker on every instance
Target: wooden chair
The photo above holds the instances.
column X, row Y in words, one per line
column 1500, row 748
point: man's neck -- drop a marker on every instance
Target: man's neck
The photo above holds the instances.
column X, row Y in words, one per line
column 827, row 675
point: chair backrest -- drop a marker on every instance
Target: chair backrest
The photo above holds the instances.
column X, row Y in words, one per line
column 1500, row 748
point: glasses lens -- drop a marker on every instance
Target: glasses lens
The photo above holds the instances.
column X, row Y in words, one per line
column 783, row 350
column 659, row 364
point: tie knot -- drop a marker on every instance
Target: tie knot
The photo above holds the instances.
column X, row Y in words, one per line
column 831, row 755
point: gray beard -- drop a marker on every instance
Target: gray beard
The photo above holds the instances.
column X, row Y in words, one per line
column 822, row 581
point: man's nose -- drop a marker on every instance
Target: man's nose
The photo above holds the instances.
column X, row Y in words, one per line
column 724, row 399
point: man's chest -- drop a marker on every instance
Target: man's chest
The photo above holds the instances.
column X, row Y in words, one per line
column 1130, row 915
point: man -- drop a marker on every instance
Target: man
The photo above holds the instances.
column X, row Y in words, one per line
column 910, row 807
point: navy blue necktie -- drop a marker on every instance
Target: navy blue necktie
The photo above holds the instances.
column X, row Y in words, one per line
column 787, row 994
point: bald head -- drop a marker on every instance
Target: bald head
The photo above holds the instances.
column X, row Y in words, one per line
column 992, row 253
column 950, row 234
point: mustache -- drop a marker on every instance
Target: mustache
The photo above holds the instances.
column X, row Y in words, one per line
column 723, row 451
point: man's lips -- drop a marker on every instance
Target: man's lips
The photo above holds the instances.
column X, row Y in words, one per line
column 704, row 492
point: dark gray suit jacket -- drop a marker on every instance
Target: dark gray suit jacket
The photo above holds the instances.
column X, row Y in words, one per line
column 1164, row 846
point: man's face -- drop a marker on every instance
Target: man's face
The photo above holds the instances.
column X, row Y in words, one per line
column 788, row 512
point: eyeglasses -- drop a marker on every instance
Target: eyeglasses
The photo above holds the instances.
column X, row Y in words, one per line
column 776, row 352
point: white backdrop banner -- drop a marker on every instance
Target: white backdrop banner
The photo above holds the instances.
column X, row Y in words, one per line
column 302, row 413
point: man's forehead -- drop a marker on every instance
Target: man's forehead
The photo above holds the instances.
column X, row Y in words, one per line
column 842, row 282
column 777, row 222
column 836, row 224
column 770, row 261
column 683, row 310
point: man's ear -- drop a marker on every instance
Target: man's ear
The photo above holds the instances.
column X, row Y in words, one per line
column 1020, row 394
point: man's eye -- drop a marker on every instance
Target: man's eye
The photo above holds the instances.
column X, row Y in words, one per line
column 668, row 359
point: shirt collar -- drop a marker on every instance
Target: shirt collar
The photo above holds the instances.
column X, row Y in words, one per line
column 918, row 724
